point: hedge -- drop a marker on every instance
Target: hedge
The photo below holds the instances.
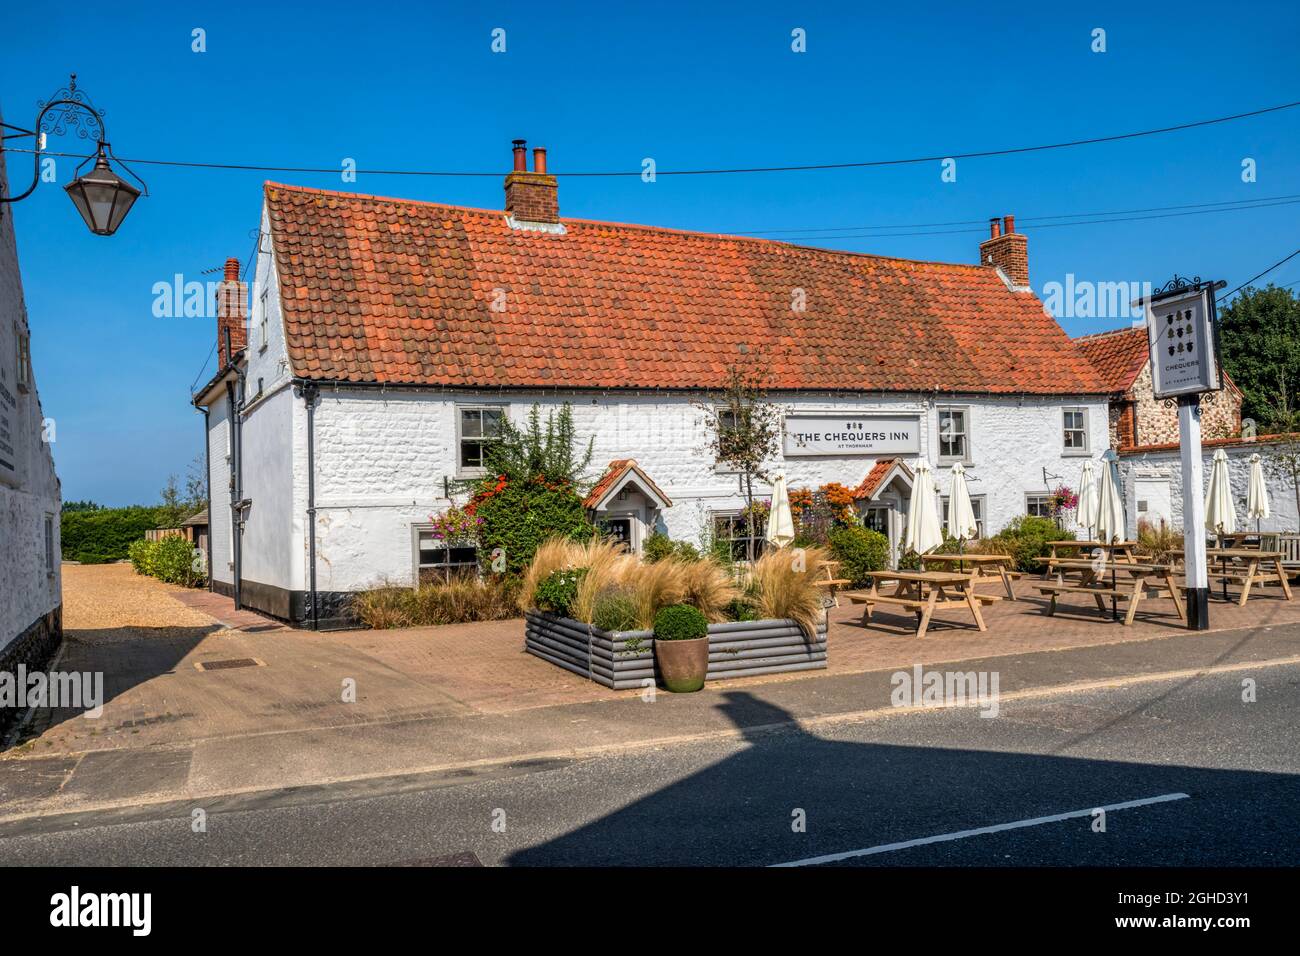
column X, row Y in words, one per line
column 520, row 515
column 106, row 534
column 859, row 550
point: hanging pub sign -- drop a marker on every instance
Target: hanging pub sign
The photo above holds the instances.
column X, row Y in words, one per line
column 849, row 434
column 1183, row 340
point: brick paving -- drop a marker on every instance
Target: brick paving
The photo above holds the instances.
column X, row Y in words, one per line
column 156, row 696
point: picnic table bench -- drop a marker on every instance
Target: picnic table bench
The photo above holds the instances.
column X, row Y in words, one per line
column 1133, row 590
column 1245, row 569
column 922, row 592
column 983, row 566
column 1117, row 550
column 832, row 580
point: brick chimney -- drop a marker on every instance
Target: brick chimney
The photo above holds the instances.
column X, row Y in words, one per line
column 232, row 314
column 531, row 196
column 1008, row 250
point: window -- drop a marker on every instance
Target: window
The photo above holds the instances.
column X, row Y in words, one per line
column 954, row 434
column 435, row 562
column 262, row 327
column 24, row 361
column 726, row 423
column 1040, row 506
column 732, row 530
column 617, row 531
column 976, row 506
column 477, row 428
column 1075, row 424
column 49, row 544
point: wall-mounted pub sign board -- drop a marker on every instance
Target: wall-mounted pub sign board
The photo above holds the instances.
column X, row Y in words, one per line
column 1184, row 347
column 849, row 434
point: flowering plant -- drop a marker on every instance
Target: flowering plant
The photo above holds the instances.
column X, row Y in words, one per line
column 1061, row 501
column 456, row 526
column 840, row 500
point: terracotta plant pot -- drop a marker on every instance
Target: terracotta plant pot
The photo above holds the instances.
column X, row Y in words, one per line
column 683, row 665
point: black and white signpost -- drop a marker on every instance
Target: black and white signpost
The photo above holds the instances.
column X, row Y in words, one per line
column 1182, row 331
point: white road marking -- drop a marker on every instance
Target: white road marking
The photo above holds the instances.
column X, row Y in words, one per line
column 981, row 831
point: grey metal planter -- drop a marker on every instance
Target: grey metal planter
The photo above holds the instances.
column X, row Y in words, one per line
column 736, row 649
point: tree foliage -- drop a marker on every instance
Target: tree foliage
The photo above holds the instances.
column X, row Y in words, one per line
column 744, row 430
column 1259, row 340
column 550, row 451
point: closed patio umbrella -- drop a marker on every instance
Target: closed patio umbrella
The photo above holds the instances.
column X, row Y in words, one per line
column 923, row 532
column 1088, row 501
column 961, row 515
column 1110, row 508
column 1220, row 515
column 1257, row 493
column 780, row 521
column 1110, row 514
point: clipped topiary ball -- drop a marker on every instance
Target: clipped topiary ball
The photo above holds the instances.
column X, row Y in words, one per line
column 680, row 622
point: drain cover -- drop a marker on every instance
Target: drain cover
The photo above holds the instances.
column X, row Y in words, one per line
column 226, row 665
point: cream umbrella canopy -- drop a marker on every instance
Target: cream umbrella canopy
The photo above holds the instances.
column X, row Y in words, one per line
column 923, row 533
column 961, row 515
column 1257, row 492
column 1110, row 508
column 1220, row 515
column 780, row 521
column 1088, row 501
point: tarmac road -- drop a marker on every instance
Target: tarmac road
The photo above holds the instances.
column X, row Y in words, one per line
column 1226, row 773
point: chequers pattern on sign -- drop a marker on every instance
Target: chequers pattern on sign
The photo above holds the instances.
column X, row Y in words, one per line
column 393, row 291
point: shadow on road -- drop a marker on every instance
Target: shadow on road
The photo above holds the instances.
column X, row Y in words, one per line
column 742, row 809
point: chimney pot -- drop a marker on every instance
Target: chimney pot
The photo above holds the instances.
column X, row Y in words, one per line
column 532, row 196
column 539, row 160
column 1008, row 250
column 232, row 270
column 521, row 158
column 995, row 227
column 1010, row 223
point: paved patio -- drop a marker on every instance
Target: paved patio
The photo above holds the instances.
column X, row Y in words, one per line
column 157, row 695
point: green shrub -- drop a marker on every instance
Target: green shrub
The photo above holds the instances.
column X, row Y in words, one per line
column 614, row 611
column 520, row 515
column 558, row 590
column 741, row 609
column 680, row 622
column 859, row 550
column 141, row 553
column 91, row 557
column 1025, row 539
column 178, row 562
column 659, row 546
column 106, row 531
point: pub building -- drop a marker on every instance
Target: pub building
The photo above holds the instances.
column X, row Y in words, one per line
column 387, row 338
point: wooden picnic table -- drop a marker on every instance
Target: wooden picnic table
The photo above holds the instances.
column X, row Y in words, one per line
column 982, row 566
column 1092, row 580
column 1250, row 572
column 832, row 581
column 921, row 592
column 1118, row 550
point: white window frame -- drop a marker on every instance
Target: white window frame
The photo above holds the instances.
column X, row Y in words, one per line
column 721, row 467
column 1066, row 449
column 730, row 513
column 977, row 506
column 1045, row 496
column 472, row 471
column 425, row 527
column 24, row 359
column 49, row 544
column 965, row 457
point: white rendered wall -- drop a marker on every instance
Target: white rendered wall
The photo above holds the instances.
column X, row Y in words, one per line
column 28, row 590
column 381, row 458
column 219, row 517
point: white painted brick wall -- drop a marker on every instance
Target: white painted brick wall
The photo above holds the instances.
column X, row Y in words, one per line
column 381, row 460
column 27, row 590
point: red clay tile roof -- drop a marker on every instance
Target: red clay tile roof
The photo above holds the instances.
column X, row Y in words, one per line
column 613, row 474
column 876, row 475
column 396, row 291
column 1118, row 355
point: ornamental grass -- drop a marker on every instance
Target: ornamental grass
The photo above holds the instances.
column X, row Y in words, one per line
column 784, row 586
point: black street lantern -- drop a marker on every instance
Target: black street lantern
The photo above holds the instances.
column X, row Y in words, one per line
column 102, row 196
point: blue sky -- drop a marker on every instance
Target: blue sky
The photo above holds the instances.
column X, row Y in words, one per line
column 691, row 85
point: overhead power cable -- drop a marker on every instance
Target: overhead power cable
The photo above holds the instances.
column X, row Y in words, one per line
column 810, row 167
